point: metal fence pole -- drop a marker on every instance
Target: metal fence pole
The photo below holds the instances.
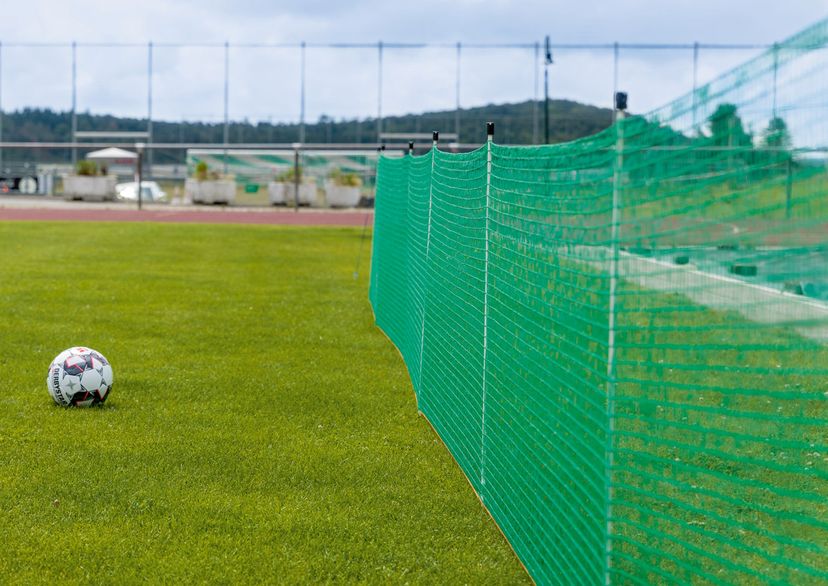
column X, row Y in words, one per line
column 435, row 137
column 226, row 100
column 1, row 104
column 695, row 80
column 535, row 101
column 302, row 93
column 546, row 104
column 139, row 196
column 547, row 61
column 379, row 90
column 775, row 71
column 486, row 239
column 457, row 95
column 789, row 187
column 614, row 78
column 620, row 103
column 149, row 107
column 297, row 171
column 74, row 101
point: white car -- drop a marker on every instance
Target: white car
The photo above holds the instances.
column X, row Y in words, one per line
column 149, row 191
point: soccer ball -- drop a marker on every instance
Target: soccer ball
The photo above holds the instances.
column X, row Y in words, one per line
column 79, row 377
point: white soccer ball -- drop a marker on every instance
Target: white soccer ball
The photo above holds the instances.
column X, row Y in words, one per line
column 79, row 377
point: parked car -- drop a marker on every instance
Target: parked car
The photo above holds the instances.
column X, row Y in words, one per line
column 150, row 191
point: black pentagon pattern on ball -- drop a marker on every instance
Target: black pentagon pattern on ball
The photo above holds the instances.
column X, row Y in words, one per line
column 75, row 365
column 83, row 397
column 96, row 356
column 100, row 396
column 94, row 362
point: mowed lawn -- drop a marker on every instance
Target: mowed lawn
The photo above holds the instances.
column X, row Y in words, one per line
column 260, row 428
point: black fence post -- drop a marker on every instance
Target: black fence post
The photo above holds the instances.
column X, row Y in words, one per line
column 789, row 188
column 296, row 179
column 140, row 149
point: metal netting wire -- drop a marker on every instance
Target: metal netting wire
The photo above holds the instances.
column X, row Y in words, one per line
column 622, row 339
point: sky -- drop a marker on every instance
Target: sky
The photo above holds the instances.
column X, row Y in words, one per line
column 264, row 82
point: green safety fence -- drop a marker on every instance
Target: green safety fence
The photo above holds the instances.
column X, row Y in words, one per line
column 622, row 339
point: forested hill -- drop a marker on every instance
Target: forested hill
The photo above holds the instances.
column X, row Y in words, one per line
column 514, row 124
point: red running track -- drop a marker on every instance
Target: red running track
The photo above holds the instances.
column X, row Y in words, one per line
column 275, row 217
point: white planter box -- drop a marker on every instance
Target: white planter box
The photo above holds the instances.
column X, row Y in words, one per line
column 281, row 192
column 89, row 188
column 210, row 191
column 341, row 196
column 307, row 193
column 276, row 192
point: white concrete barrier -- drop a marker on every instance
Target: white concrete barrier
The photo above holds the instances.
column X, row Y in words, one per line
column 341, row 196
column 283, row 192
column 89, row 188
column 210, row 191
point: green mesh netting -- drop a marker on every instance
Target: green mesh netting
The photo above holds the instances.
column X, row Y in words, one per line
column 622, row 340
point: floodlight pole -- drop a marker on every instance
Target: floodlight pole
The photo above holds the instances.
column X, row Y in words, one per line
column 546, row 63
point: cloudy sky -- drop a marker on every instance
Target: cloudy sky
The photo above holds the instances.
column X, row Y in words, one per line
column 342, row 82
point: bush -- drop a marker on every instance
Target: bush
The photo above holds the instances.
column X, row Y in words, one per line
column 201, row 171
column 289, row 176
column 86, row 167
column 345, row 179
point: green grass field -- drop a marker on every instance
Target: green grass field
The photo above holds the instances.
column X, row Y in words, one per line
column 260, row 429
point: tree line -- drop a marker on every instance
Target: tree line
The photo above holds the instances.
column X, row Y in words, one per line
column 515, row 124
